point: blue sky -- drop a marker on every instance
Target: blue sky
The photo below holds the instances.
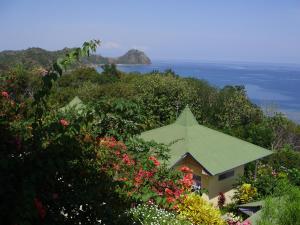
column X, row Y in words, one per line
column 223, row 30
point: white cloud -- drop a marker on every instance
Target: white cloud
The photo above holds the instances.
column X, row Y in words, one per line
column 110, row 45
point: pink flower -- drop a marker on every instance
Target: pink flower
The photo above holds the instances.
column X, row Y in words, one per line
column 154, row 160
column 64, row 122
column 177, row 193
column 168, row 191
column 186, row 169
column 187, row 180
column 5, row 94
column 126, row 159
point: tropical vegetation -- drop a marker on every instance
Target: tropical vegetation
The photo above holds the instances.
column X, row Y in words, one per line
column 87, row 166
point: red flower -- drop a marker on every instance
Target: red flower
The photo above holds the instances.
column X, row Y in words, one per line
column 126, row 159
column 40, row 208
column 64, row 122
column 111, row 144
column 170, row 199
column 5, row 94
column 186, row 169
column 122, row 179
column 187, row 180
column 177, row 193
column 142, row 174
column 154, row 160
column 175, row 207
column 168, row 191
column 138, row 181
column 149, row 174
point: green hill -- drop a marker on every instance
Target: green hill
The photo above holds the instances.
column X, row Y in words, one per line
column 42, row 58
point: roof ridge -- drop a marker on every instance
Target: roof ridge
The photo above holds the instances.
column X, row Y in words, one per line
column 186, row 118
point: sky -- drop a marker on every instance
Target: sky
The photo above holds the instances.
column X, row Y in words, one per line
column 216, row 30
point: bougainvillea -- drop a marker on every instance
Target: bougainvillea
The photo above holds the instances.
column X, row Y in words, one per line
column 144, row 178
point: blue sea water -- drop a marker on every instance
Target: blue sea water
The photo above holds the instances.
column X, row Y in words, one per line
column 275, row 86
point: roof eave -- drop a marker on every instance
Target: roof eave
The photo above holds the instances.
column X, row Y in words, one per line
column 189, row 154
column 217, row 173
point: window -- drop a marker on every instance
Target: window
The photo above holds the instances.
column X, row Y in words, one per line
column 197, row 182
column 226, row 175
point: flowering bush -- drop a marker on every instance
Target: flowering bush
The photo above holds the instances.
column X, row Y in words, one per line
column 150, row 214
column 267, row 178
column 49, row 170
column 232, row 219
column 143, row 179
column 198, row 211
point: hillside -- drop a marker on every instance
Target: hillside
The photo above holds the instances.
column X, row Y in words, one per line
column 41, row 57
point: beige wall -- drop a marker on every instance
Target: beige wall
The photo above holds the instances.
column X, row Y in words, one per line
column 211, row 183
column 215, row 186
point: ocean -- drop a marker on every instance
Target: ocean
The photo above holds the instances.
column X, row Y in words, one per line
column 271, row 86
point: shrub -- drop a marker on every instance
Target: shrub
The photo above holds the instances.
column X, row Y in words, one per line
column 285, row 157
column 232, row 219
column 246, row 193
column 221, row 200
column 283, row 207
column 153, row 215
column 267, row 179
column 143, row 178
column 195, row 209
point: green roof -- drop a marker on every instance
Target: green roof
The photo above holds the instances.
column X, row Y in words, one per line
column 215, row 151
column 74, row 104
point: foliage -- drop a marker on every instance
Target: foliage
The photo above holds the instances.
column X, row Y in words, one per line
column 282, row 208
column 142, row 178
column 161, row 96
column 49, row 170
column 119, row 118
column 111, row 70
column 221, row 200
column 285, row 157
column 54, row 180
column 267, row 179
column 195, row 209
column 232, row 219
column 246, row 193
column 149, row 214
column 139, row 148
